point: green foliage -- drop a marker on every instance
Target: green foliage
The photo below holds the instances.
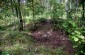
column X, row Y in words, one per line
column 39, row 9
column 32, row 50
column 83, row 30
column 58, row 9
column 57, row 23
column 75, row 35
column 55, row 10
column 14, row 37
column 35, row 24
column 2, row 28
column 41, row 20
column 70, row 26
column 32, row 25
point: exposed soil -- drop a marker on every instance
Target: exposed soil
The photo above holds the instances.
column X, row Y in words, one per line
column 45, row 35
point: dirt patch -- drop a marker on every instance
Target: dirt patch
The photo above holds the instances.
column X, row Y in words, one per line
column 45, row 35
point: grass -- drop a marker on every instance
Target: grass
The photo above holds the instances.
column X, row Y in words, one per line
column 20, row 49
column 16, row 43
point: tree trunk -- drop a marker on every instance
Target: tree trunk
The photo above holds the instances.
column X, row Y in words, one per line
column 33, row 8
column 20, row 17
column 76, row 6
column 83, row 9
column 13, row 12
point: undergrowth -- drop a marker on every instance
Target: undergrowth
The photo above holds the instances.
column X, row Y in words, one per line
column 20, row 43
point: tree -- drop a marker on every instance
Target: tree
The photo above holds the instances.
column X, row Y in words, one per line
column 82, row 2
column 20, row 17
column 17, row 7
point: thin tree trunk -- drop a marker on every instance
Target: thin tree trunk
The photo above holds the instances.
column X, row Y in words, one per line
column 76, row 6
column 68, row 8
column 83, row 9
column 20, row 17
column 11, row 1
column 33, row 8
column 13, row 12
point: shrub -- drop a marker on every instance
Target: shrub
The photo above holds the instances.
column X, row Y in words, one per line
column 57, row 23
column 14, row 37
column 75, row 35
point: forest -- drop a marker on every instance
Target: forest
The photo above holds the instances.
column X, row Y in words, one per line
column 42, row 27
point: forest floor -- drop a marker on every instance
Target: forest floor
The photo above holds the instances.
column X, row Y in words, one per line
column 46, row 41
column 45, row 35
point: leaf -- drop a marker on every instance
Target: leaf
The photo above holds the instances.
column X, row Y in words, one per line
column 76, row 39
column 82, row 37
column 77, row 32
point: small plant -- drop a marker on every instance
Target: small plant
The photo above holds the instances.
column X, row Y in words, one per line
column 14, row 37
column 57, row 23
column 41, row 20
column 75, row 35
column 5, row 53
column 35, row 24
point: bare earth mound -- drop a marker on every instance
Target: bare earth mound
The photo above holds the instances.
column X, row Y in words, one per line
column 45, row 35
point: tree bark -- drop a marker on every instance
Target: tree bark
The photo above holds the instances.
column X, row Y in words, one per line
column 20, row 17
column 83, row 9
column 33, row 8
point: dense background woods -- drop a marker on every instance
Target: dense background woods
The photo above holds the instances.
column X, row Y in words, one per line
column 20, row 20
column 48, row 9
